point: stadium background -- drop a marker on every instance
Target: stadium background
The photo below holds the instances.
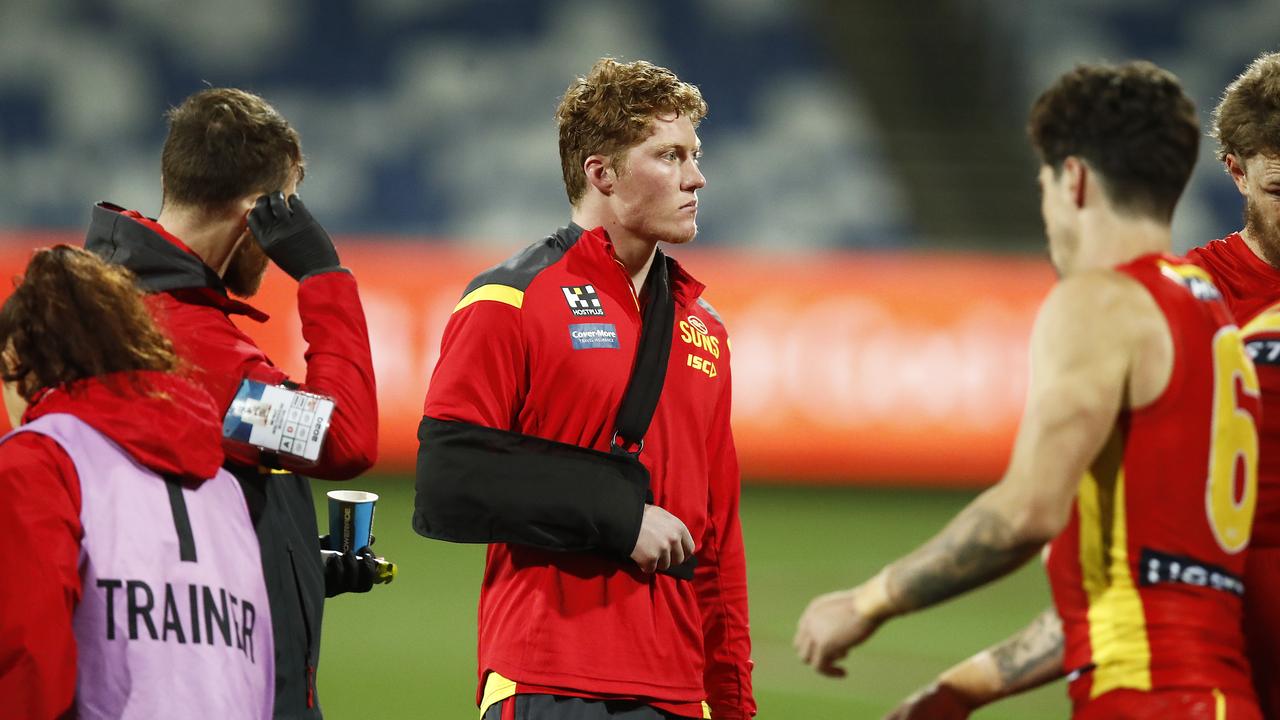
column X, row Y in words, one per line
column 870, row 233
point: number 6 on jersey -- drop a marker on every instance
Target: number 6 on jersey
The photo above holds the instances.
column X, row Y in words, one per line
column 1234, row 444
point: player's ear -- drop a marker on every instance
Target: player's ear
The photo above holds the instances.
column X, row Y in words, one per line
column 1076, row 174
column 600, row 173
column 1235, row 168
column 244, row 204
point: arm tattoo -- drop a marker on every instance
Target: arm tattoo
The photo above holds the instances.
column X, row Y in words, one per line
column 1033, row 656
column 978, row 546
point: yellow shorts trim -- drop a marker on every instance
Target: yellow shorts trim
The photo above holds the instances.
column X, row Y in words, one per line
column 498, row 688
column 1219, row 705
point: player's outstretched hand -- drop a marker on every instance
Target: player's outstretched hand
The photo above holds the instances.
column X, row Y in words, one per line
column 836, row 622
column 664, row 541
column 936, row 702
column 291, row 237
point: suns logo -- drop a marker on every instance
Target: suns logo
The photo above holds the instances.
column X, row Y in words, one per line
column 694, row 332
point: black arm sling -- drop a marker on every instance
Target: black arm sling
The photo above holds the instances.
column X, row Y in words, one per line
column 480, row 485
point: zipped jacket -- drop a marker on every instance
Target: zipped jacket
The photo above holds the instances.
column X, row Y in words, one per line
column 543, row 345
column 190, row 303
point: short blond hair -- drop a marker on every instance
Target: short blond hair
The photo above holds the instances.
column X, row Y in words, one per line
column 612, row 109
column 1247, row 120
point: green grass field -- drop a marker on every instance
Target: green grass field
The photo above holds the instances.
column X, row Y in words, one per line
column 407, row 650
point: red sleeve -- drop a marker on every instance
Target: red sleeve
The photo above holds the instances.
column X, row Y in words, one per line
column 481, row 375
column 339, row 365
column 40, row 586
column 721, row 579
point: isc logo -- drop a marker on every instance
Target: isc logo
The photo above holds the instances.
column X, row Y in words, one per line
column 701, row 363
column 694, row 332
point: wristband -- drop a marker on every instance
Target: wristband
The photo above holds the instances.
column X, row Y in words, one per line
column 872, row 599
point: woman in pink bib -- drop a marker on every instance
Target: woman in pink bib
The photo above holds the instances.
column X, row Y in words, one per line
column 134, row 587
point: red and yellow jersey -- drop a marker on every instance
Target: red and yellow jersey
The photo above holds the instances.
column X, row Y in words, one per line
column 1147, row 574
column 1251, row 288
column 1262, row 342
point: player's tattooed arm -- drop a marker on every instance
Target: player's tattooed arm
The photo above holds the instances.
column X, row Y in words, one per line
column 979, row 545
column 1032, row 657
column 1028, row 659
column 1076, row 392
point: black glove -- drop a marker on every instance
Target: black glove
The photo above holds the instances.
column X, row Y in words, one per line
column 349, row 572
column 291, row 237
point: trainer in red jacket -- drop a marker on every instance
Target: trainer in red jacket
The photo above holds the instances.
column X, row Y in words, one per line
column 192, row 307
column 229, row 169
column 543, row 346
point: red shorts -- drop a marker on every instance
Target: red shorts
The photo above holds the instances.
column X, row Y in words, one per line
column 1168, row 705
column 1262, row 625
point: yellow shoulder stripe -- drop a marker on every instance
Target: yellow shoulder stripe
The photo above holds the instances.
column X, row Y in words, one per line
column 1266, row 321
column 497, row 293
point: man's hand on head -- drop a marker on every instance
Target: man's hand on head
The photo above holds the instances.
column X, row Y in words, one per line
column 291, row 237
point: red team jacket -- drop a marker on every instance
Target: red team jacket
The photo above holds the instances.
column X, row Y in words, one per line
column 197, row 318
column 543, row 345
column 41, row 588
column 189, row 302
column 1147, row 574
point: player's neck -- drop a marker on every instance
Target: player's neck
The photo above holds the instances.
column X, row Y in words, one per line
column 1109, row 240
column 1251, row 242
column 636, row 255
column 205, row 234
column 634, row 252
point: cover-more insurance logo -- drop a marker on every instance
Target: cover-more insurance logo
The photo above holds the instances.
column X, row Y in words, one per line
column 591, row 336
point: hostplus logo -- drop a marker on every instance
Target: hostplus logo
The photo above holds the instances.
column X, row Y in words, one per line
column 583, row 300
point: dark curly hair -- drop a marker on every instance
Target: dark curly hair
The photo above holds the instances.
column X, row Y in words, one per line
column 1247, row 120
column 1133, row 124
column 224, row 144
column 612, row 109
column 72, row 316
